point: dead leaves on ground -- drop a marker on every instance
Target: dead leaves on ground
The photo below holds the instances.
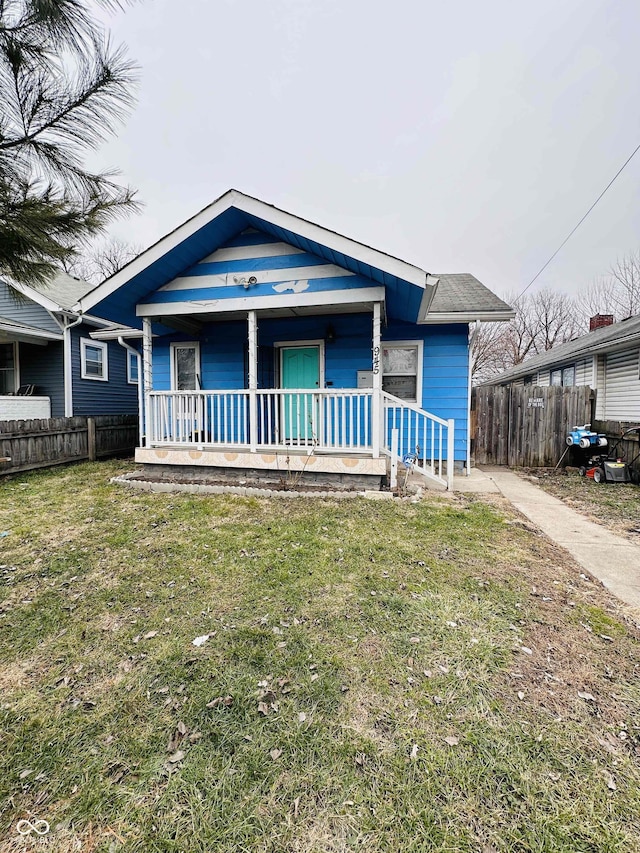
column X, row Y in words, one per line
column 178, row 741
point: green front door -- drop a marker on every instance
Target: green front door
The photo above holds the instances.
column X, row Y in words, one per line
column 299, row 369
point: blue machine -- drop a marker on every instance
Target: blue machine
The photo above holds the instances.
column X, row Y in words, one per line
column 581, row 436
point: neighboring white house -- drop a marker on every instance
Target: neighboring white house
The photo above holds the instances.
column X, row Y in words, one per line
column 607, row 359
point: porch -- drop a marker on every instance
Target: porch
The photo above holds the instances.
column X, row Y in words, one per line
column 313, row 402
column 340, row 432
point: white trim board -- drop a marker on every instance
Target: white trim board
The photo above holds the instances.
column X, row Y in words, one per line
column 251, row 303
column 467, row 317
column 114, row 334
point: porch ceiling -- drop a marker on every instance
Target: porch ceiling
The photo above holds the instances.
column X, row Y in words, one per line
column 11, row 331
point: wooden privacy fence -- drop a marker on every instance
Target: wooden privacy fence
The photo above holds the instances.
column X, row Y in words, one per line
column 526, row 426
column 627, row 448
column 40, row 443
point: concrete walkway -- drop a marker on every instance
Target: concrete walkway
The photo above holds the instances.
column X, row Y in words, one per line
column 613, row 560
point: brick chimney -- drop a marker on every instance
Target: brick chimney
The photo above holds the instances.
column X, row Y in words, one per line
column 599, row 321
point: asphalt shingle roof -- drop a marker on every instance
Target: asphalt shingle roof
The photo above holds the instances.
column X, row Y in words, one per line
column 65, row 290
column 602, row 339
column 462, row 292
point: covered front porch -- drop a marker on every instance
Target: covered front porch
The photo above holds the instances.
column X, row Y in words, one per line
column 290, row 416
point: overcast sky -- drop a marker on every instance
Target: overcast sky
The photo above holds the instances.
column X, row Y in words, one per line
column 463, row 137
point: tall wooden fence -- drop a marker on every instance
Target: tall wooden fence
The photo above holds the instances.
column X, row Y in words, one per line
column 28, row 444
column 526, row 426
column 627, row 448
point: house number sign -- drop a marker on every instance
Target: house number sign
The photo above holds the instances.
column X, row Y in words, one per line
column 376, row 359
column 535, row 403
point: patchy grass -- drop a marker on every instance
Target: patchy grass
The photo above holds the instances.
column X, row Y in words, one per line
column 379, row 676
column 614, row 505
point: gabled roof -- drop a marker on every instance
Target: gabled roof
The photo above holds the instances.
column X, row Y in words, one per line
column 231, row 214
column 606, row 339
column 60, row 295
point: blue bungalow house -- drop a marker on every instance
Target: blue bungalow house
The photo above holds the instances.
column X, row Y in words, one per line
column 271, row 345
column 49, row 364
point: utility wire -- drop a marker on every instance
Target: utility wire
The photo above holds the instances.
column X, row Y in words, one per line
column 575, row 228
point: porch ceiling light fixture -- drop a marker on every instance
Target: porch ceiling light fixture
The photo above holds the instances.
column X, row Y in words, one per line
column 330, row 335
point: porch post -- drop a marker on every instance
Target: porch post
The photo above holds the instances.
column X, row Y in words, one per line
column 252, row 323
column 376, row 399
column 147, row 377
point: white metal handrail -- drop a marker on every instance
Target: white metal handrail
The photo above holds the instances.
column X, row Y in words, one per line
column 424, row 438
column 326, row 419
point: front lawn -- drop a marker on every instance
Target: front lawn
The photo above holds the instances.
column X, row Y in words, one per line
column 375, row 676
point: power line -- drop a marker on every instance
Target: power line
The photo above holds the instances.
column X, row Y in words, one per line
column 575, row 228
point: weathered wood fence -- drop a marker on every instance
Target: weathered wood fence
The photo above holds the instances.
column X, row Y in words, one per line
column 526, row 426
column 28, row 444
column 627, row 448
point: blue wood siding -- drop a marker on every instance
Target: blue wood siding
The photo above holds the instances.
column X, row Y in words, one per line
column 43, row 366
column 277, row 266
column 223, row 358
column 445, row 366
column 94, row 397
column 24, row 310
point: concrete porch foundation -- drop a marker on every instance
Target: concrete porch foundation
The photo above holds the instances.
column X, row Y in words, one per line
column 283, row 470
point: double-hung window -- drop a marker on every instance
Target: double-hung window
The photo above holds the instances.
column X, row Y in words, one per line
column 94, row 360
column 402, row 370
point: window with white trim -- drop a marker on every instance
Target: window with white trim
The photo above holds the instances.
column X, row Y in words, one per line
column 94, row 360
column 132, row 368
column 401, row 369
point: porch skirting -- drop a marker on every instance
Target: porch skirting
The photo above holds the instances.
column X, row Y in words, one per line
column 284, row 469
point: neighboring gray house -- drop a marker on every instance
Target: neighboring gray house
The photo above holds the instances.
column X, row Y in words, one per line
column 49, row 364
column 607, row 359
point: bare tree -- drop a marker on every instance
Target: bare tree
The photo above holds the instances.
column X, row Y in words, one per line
column 625, row 281
column 103, row 261
column 598, row 298
column 543, row 320
column 489, row 353
column 617, row 293
column 553, row 320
